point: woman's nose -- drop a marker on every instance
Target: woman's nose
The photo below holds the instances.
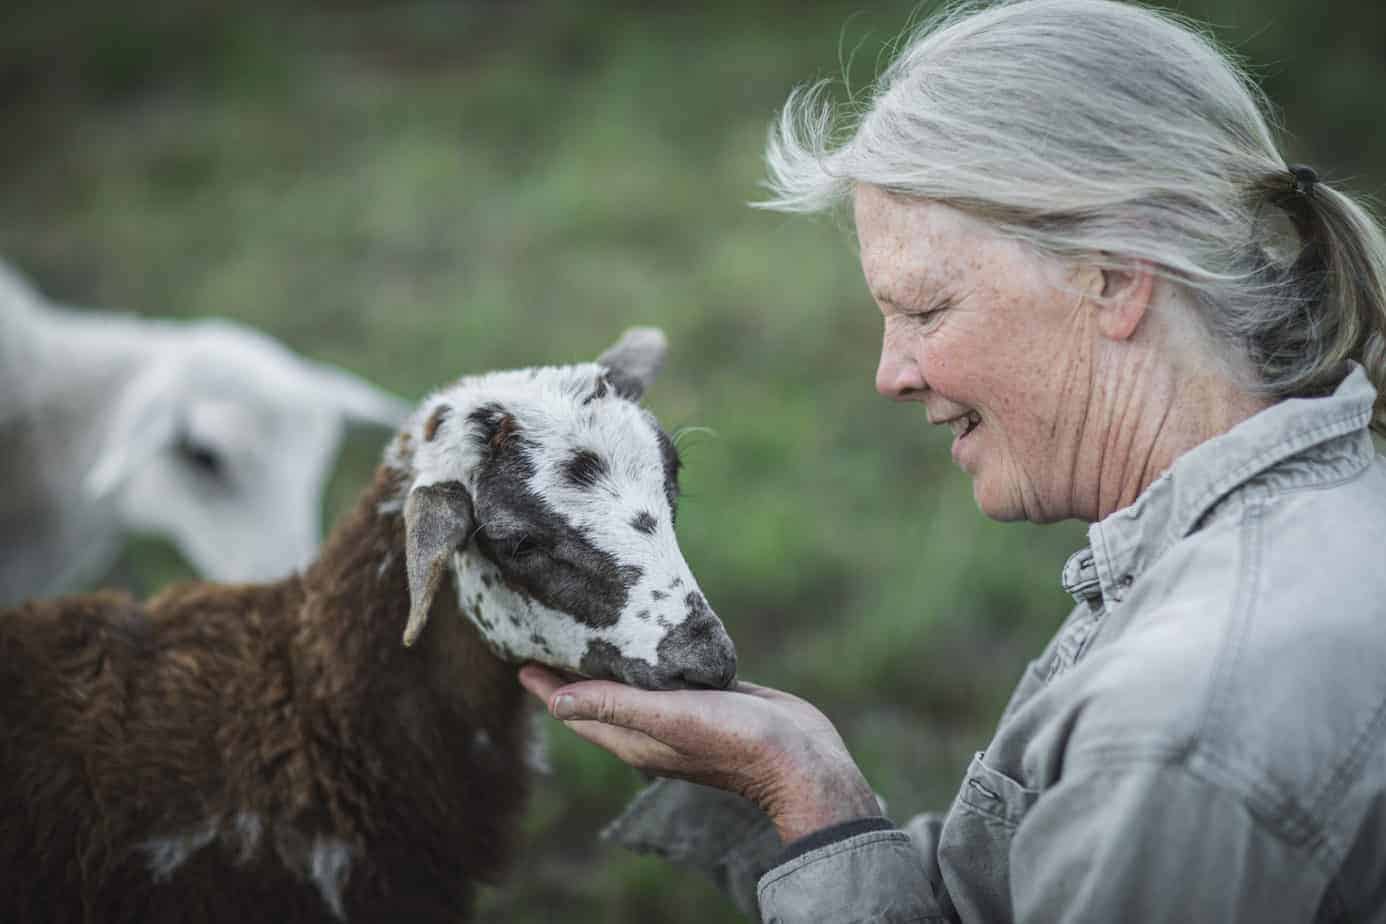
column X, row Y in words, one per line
column 898, row 376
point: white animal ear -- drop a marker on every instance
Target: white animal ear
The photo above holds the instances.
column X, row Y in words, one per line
column 438, row 519
column 634, row 361
column 359, row 399
column 15, row 287
column 142, row 424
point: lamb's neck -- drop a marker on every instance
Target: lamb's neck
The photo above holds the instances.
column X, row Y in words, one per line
column 359, row 594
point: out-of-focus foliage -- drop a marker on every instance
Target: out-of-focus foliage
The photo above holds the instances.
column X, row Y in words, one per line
column 418, row 190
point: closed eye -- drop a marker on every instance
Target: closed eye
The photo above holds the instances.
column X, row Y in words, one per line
column 528, row 551
column 928, row 314
column 201, row 457
column 522, row 548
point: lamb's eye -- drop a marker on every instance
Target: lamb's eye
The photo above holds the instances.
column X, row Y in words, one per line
column 201, row 457
column 525, row 549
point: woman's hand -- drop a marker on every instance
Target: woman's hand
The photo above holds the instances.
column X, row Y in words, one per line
column 773, row 748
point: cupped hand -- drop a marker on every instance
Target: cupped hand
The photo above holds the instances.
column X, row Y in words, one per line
column 774, row 748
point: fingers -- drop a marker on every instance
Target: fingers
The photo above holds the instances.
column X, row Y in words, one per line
column 611, row 703
column 594, row 700
column 634, row 748
column 540, row 682
column 601, row 724
column 755, row 689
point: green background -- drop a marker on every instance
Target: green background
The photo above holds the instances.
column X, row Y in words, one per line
column 419, row 190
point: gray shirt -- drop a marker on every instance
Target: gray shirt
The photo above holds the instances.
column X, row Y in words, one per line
column 1203, row 740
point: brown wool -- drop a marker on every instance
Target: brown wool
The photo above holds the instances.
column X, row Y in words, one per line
column 272, row 719
column 435, row 420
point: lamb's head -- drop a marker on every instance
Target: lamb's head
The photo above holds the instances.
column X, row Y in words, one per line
column 550, row 494
column 224, row 445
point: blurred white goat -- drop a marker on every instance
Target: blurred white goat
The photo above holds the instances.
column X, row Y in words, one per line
column 206, row 432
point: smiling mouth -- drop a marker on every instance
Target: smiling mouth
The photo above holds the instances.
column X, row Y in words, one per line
column 963, row 426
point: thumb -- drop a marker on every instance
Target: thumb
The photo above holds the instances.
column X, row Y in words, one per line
column 603, row 701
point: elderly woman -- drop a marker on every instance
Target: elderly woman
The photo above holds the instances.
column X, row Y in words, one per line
column 1095, row 266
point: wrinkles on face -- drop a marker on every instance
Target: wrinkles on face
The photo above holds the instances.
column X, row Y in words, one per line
column 978, row 324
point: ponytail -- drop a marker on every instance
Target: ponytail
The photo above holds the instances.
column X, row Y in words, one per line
column 1340, row 279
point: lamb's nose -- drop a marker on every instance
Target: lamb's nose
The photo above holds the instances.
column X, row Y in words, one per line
column 706, row 653
column 718, row 673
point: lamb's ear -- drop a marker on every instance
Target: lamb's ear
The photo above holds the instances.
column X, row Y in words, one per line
column 142, row 423
column 358, row 399
column 633, row 361
column 437, row 520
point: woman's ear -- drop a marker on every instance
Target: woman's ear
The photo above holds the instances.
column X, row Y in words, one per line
column 1125, row 299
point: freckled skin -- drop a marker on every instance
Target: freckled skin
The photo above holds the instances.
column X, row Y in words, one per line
column 1088, row 383
column 1011, row 342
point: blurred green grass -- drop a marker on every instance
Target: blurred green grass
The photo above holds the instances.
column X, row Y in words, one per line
column 418, row 190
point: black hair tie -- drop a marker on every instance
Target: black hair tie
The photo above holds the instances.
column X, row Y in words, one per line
column 1305, row 179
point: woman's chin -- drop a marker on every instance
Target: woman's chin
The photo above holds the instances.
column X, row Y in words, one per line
column 1005, row 508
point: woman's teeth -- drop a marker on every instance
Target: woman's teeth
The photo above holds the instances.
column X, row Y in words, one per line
column 964, row 425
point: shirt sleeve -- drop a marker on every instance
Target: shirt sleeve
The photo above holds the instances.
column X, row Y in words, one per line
column 878, row 876
column 722, row 836
column 1155, row 843
column 732, row 842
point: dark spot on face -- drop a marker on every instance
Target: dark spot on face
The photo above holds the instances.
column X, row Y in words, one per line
column 672, row 464
column 435, row 420
column 643, row 614
column 676, row 582
column 644, row 522
column 404, row 447
column 481, row 620
column 658, row 594
column 584, row 469
column 536, row 550
column 496, row 428
column 598, row 392
column 487, row 580
column 625, row 385
column 695, row 653
column 505, row 432
column 536, row 639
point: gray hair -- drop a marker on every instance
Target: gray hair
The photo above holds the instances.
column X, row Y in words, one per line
column 1104, row 132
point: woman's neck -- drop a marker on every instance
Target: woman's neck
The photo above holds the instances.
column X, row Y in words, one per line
column 1155, row 406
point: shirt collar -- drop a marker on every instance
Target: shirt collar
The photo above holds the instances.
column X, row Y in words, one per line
column 1129, row 540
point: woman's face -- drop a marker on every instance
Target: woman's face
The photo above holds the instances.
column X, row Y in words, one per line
column 995, row 341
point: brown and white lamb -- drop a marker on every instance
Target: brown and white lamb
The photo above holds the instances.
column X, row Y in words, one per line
column 274, row 752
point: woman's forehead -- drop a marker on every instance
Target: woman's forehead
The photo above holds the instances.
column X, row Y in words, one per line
column 906, row 243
